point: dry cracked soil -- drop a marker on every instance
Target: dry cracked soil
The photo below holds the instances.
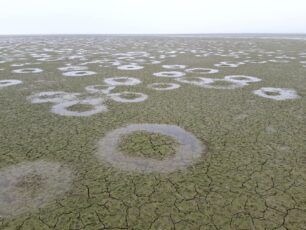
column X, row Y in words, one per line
column 235, row 159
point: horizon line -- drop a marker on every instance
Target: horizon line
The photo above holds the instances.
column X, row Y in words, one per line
column 152, row 34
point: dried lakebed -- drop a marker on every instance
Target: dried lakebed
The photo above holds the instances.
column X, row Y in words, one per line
column 152, row 132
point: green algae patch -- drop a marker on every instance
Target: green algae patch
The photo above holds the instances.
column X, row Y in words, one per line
column 148, row 145
column 80, row 107
column 129, row 95
column 272, row 93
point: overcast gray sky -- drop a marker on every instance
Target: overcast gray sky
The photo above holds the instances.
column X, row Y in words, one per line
column 151, row 16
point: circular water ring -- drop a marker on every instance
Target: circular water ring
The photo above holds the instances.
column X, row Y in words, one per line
column 79, row 73
column 163, row 86
column 242, row 79
column 188, row 151
column 28, row 70
column 9, row 82
column 279, row 94
column 174, row 66
column 202, row 70
column 172, row 74
column 63, row 108
column 130, row 67
column 120, row 97
column 115, row 81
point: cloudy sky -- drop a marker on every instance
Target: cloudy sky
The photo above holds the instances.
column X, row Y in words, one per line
column 151, row 16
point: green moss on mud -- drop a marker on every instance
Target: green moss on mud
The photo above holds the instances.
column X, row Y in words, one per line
column 80, row 107
column 148, row 145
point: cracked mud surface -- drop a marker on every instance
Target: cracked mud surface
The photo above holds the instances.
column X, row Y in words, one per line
column 148, row 145
column 252, row 175
column 80, row 107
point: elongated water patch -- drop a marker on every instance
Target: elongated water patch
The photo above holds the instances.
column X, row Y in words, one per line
column 52, row 97
column 215, row 83
column 212, row 83
column 28, row 70
column 99, row 89
column 229, row 64
column 171, row 74
column 122, row 81
column 73, row 68
column 199, row 81
column 80, row 73
column 174, row 66
column 9, row 82
column 130, row 67
column 202, row 70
